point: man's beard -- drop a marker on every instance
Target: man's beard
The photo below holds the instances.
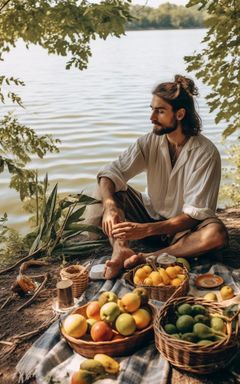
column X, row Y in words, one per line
column 164, row 130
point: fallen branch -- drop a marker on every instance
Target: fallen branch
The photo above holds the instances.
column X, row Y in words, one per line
column 9, row 299
column 27, row 335
column 31, row 263
column 36, row 293
column 6, row 342
column 28, row 257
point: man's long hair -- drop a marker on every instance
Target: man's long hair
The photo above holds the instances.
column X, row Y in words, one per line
column 179, row 94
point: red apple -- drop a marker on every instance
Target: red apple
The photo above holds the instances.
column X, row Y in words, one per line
column 101, row 331
column 93, row 310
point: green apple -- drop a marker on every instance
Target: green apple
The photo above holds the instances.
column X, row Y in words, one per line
column 90, row 323
column 109, row 312
column 107, row 297
column 125, row 324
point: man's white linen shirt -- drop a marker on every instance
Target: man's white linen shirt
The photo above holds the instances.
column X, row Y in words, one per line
column 191, row 186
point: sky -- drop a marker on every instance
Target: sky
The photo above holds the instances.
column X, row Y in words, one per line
column 156, row 3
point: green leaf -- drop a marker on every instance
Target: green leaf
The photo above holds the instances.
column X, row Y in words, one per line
column 75, row 216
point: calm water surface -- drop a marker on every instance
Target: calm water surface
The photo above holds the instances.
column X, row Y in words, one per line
column 99, row 112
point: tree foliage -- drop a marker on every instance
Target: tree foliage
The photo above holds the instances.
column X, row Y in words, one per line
column 167, row 15
column 62, row 27
column 18, row 144
column 217, row 65
column 231, row 190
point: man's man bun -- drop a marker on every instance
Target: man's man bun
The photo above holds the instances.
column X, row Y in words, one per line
column 187, row 84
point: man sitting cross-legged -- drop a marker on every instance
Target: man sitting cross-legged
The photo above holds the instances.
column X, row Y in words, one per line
column 183, row 175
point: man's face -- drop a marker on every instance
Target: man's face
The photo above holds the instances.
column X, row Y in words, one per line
column 163, row 118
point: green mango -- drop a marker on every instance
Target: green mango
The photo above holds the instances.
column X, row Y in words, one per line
column 190, row 336
column 198, row 309
column 185, row 309
column 202, row 331
column 185, row 323
column 202, row 319
column 170, row 328
column 176, row 336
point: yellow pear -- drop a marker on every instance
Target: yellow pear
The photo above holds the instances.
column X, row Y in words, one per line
column 226, row 292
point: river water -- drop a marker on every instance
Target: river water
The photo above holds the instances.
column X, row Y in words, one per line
column 98, row 112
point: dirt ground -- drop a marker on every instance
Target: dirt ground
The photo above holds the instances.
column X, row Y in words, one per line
column 14, row 322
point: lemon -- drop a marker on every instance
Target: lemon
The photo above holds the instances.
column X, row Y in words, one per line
column 171, row 272
column 181, row 277
column 141, row 274
column 156, row 277
column 148, row 281
column 164, row 276
column 176, row 282
column 147, row 269
column 178, row 269
column 136, row 280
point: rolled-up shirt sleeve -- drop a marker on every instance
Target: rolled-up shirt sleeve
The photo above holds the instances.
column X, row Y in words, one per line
column 201, row 190
column 129, row 164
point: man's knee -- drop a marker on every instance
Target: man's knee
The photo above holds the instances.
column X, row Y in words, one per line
column 216, row 236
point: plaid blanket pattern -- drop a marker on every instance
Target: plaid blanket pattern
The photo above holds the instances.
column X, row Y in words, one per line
column 52, row 361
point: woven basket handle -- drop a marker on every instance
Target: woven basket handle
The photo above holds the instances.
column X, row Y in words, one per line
column 128, row 276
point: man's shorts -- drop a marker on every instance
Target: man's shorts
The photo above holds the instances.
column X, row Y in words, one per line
column 131, row 203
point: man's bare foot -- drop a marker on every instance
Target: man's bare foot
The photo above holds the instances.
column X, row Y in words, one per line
column 134, row 260
column 114, row 266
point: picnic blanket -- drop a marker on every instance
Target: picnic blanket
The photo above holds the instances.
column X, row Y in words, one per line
column 51, row 360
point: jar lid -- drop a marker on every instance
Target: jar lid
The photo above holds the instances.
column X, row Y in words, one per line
column 166, row 259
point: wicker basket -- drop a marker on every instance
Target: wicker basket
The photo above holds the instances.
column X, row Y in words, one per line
column 118, row 346
column 79, row 276
column 161, row 293
column 189, row 356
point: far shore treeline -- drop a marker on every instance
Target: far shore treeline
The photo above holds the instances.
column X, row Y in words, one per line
column 166, row 16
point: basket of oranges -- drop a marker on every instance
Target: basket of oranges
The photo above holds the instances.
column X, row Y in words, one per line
column 160, row 282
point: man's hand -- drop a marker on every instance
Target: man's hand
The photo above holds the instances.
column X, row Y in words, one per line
column 111, row 216
column 130, row 231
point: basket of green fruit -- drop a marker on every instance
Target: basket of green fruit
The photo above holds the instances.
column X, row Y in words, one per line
column 196, row 335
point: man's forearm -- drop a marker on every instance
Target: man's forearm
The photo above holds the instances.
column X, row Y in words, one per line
column 107, row 189
column 171, row 226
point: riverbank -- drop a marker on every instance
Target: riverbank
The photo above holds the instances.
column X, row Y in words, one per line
column 14, row 323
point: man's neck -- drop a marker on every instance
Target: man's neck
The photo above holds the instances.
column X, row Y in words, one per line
column 177, row 138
